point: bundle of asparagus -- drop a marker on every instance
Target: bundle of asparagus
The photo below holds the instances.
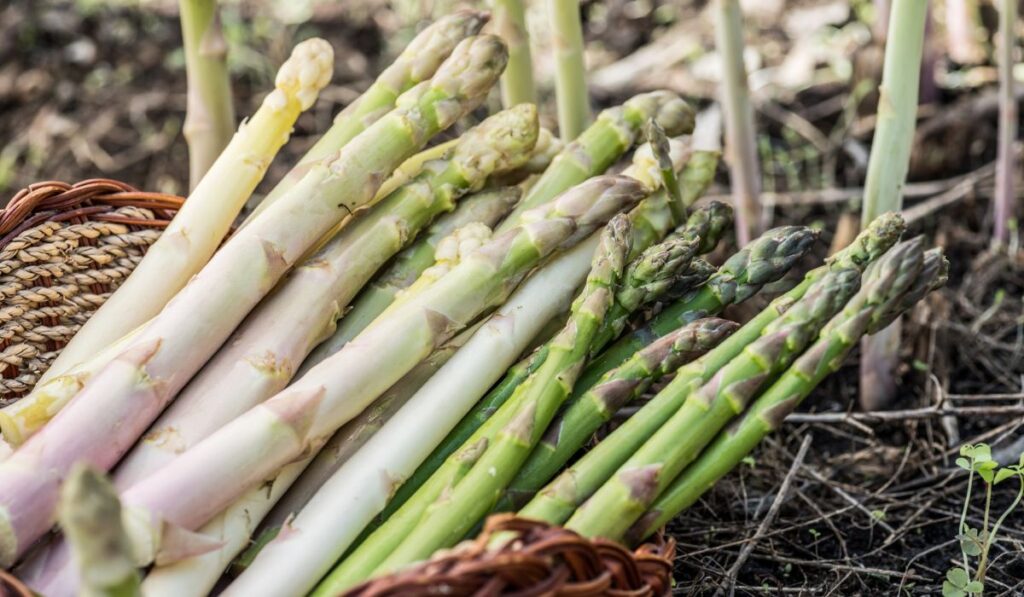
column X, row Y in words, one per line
column 412, row 419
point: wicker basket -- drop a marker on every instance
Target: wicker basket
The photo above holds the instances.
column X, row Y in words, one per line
column 63, row 250
column 544, row 560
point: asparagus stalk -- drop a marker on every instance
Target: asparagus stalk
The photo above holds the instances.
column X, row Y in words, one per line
column 1006, row 160
column 581, row 418
column 417, row 63
column 486, row 207
column 766, row 259
column 650, row 222
column 570, row 70
column 885, row 290
column 529, row 411
column 605, row 141
column 287, row 494
column 117, row 405
column 561, row 497
column 299, row 419
column 741, row 146
column 411, row 167
column 209, row 115
column 90, row 515
column 517, row 85
column 261, row 356
column 198, row 228
column 887, row 171
column 706, row 408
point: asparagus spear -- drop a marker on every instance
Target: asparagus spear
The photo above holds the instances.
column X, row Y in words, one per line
column 525, row 417
column 417, row 63
column 651, row 221
column 570, row 431
column 302, row 417
column 612, row 134
column 888, row 290
column 90, row 515
column 259, row 359
column 706, row 408
column 486, row 207
column 560, row 498
column 196, row 231
column 117, row 405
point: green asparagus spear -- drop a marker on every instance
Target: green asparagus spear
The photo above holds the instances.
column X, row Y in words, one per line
column 888, row 290
column 869, row 245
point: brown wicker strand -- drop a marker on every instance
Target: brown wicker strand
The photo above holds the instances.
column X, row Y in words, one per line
column 63, row 250
column 541, row 560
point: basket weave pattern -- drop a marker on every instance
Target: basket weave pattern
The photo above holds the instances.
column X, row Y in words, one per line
column 63, row 250
column 542, row 560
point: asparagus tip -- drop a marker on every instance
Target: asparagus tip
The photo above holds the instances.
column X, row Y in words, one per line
column 304, row 74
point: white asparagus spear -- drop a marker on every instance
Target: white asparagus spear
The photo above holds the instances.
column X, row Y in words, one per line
column 199, row 227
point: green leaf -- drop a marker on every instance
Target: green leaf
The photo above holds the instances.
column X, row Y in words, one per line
column 967, row 450
column 986, row 474
column 948, row 590
column 963, row 463
column 970, row 543
column 1004, row 474
column 958, row 576
column 982, row 453
column 975, row 586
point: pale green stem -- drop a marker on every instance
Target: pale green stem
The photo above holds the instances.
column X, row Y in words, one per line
column 570, row 70
column 209, row 115
column 1006, row 162
column 741, row 138
column 517, row 86
column 887, row 173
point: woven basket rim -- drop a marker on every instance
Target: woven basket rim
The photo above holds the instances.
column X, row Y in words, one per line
column 92, row 199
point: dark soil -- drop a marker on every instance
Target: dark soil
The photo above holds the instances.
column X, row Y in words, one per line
column 89, row 91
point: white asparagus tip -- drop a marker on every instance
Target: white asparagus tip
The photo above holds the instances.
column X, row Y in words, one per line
column 304, row 74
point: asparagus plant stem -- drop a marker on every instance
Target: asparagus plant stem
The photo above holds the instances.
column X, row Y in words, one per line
column 963, row 41
column 209, row 114
column 570, row 69
column 883, row 295
column 887, row 172
column 517, row 85
column 1006, row 161
column 199, row 227
column 417, row 63
column 741, row 135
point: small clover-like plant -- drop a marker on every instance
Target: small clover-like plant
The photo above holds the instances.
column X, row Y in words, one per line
column 977, row 459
